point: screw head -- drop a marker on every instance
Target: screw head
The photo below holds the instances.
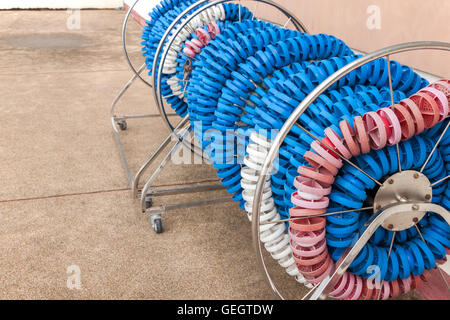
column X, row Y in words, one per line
column 415, row 220
column 390, row 227
column 428, row 197
column 416, row 176
column 390, row 181
column 415, row 207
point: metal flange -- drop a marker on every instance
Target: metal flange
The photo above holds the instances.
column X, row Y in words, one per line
column 403, row 187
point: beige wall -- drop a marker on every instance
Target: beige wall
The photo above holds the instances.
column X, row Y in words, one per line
column 401, row 21
column 60, row 4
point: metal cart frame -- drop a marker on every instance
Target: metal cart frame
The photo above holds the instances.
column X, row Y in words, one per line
column 177, row 132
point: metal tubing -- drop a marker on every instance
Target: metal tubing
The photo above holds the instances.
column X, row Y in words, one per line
column 173, row 34
column 175, row 191
column 435, row 146
column 340, row 155
column 167, row 207
column 150, row 160
column 440, row 181
column 114, row 124
column 158, row 170
column 124, row 43
column 389, row 256
column 367, row 231
column 314, row 216
column 140, row 116
column 392, row 103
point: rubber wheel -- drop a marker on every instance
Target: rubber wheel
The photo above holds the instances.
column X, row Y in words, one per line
column 122, row 125
column 148, row 203
column 157, row 226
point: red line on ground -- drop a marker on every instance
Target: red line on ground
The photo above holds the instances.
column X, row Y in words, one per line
column 65, row 195
column 53, row 72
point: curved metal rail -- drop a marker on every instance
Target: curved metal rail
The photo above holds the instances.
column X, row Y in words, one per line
column 178, row 131
column 125, row 50
column 156, row 86
column 156, row 77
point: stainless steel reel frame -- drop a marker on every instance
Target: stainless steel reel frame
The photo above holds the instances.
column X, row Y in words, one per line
column 121, row 119
column 156, row 80
column 125, row 50
column 148, row 193
column 134, row 181
column 156, row 85
column 178, row 132
column 380, row 216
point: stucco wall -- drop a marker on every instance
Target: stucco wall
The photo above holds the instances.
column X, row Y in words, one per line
column 356, row 22
column 59, row 4
column 365, row 25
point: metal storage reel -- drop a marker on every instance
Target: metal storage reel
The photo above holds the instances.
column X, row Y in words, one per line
column 401, row 202
column 178, row 131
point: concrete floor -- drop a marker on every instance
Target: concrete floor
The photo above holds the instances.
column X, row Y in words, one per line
column 64, row 197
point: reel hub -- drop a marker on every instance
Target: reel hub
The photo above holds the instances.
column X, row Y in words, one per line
column 405, row 186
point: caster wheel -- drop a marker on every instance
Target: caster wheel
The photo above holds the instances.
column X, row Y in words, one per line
column 148, row 203
column 157, row 225
column 122, row 125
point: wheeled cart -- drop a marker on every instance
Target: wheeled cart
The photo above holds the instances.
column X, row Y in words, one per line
column 341, row 161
